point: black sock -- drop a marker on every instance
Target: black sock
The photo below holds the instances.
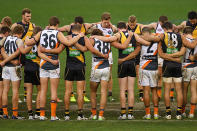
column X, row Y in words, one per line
column 109, row 93
column 168, row 110
column 141, row 93
column 80, row 112
column 30, row 113
column 25, row 92
column 67, row 113
column 130, row 110
column 1, row 111
column 179, row 111
column 84, row 93
column 123, row 111
column 38, row 112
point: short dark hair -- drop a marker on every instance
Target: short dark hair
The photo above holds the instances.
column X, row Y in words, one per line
column 76, row 27
column 53, row 21
column 146, row 29
column 167, row 25
column 79, row 19
column 5, row 29
column 97, row 32
column 192, row 15
column 7, row 20
column 163, row 19
column 36, row 30
column 132, row 18
column 18, row 30
column 121, row 25
column 26, row 10
column 188, row 30
column 106, row 16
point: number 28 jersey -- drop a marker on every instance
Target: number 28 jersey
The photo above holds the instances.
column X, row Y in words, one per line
column 48, row 40
column 104, row 48
column 172, row 43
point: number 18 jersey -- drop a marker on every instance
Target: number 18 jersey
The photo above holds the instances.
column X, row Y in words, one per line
column 48, row 40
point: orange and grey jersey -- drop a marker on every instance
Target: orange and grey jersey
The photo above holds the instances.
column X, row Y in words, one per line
column 136, row 30
column 159, row 29
column 187, row 63
column 48, row 40
column 131, row 47
column 172, row 43
column 148, row 57
column 10, row 45
column 104, row 48
column 75, row 58
column 106, row 31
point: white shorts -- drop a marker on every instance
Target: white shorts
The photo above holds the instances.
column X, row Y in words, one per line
column 189, row 73
column 148, row 78
column 50, row 73
column 12, row 73
column 110, row 58
column 100, row 74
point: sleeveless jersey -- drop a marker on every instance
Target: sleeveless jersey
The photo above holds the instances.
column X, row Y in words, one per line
column 28, row 30
column 194, row 27
column 75, row 58
column 10, row 47
column 104, row 48
column 48, row 40
column 187, row 63
column 136, row 30
column 106, row 31
column 159, row 29
column 83, row 29
column 131, row 47
column 172, row 43
column 148, row 57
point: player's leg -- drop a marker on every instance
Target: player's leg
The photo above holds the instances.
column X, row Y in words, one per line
column 25, row 92
column 193, row 99
column 68, row 86
column 122, row 86
column 37, row 114
column 147, row 101
column 15, row 94
column 1, row 93
column 110, row 86
column 140, row 88
column 131, row 96
column 159, row 85
column 93, row 90
column 6, row 84
column 172, row 91
column 179, row 95
column 155, row 99
column 29, row 90
column 86, row 99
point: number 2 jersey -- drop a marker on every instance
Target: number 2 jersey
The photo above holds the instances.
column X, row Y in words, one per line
column 104, row 48
column 172, row 43
column 48, row 40
column 75, row 58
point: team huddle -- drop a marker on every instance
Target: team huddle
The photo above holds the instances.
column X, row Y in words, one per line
column 154, row 54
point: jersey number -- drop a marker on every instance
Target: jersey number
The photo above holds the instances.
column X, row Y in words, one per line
column 149, row 48
column 49, row 40
column 103, row 48
column 10, row 47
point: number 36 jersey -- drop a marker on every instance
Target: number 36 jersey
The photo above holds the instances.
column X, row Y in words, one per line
column 172, row 43
column 104, row 48
column 48, row 40
column 148, row 57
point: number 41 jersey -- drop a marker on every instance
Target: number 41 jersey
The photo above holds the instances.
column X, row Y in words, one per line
column 48, row 40
column 148, row 57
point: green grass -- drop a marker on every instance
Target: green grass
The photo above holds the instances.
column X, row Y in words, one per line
column 146, row 11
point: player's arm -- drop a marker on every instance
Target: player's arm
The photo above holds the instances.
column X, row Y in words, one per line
column 151, row 26
column 165, row 56
column 14, row 25
column 33, row 40
column 179, row 53
column 46, row 58
column 69, row 42
column 118, row 45
column 65, row 28
column 52, row 51
column 89, row 44
column 81, row 47
column 22, row 47
column 104, row 38
column 187, row 43
column 141, row 41
column 131, row 55
column 181, row 26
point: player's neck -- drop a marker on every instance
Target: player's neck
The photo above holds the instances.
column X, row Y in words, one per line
column 75, row 32
column 16, row 35
column 53, row 27
column 123, row 29
column 24, row 22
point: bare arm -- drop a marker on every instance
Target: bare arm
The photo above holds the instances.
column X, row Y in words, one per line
column 22, row 48
column 124, row 45
column 53, row 51
column 105, row 39
column 142, row 41
column 187, row 43
column 179, row 53
column 151, row 26
column 81, row 47
column 32, row 41
column 181, row 26
column 65, row 28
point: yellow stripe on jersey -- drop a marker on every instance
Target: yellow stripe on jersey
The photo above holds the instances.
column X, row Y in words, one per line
column 138, row 30
column 79, row 57
column 29, row 32
column 166, row 39
column 194, row 33
column 83, row 29
column 123, row 37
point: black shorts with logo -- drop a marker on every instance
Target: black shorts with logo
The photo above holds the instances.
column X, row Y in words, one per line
column 32, row 77
column 74, row 74
column 172, row 69
column 126, row 69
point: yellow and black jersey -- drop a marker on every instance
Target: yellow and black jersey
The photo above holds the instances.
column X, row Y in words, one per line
column 83, row 29
column 194, row 27
column 75, row 58
column 136, row 30
column 131, row 47
column 28, row 30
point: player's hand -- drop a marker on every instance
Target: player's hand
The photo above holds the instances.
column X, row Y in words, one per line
column 177, row 60
column 130, row 33
column 120, row 61
column 93, row 36
column 26, row 39
column 191, row 57
column 55, row 62
column 106, row 56
column 42, row 49
column 47, row 27
column 2, row 64
column 81, row 34
column 15, row 62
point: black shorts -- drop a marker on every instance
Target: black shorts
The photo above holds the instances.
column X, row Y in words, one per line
column 126, row 69
column 74, row 74
column 1, row 79
column 171, row 70
column 32, row 77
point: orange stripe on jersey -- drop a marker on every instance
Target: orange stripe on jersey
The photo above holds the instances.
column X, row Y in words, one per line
column 107, row 35
column 100, row 62
column 57, row 44
column 146, row 64
column 188, row 64
column 44, row 61
column 155, row 53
